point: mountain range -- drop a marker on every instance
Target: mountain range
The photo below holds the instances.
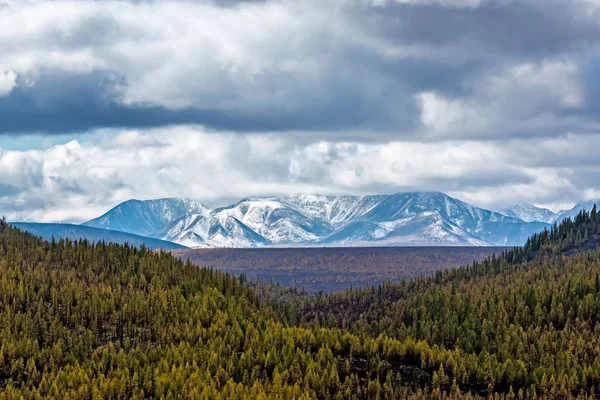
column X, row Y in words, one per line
column 401, row 219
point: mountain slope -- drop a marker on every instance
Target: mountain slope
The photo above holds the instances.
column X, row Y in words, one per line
column 479, row 309
column 142, row 217
column 531, row 213
column 75, row 232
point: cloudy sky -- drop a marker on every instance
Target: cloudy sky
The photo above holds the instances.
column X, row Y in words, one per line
column 495, row 102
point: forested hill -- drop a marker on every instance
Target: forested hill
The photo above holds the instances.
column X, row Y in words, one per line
column 526, row 320
column 102, row 321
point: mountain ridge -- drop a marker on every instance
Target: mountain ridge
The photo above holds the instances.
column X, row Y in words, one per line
column 399, row 219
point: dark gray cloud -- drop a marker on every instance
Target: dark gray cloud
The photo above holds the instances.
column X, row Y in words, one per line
column 504, row 28
column 62, row 102
column 334, row 68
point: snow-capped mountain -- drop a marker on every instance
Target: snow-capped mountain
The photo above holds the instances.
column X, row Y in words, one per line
column 143, row 217
column 311, row 220
column 429, row 218
column 572, row 213
column 530, row 213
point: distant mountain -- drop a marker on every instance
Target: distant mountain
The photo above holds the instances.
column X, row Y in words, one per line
column 530, row 213
column 142, row 217
column 585, row 205
column 424, row 218
column 75, row 232
column 401, row 219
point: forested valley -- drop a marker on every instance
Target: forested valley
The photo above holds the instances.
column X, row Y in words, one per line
column 80, row 320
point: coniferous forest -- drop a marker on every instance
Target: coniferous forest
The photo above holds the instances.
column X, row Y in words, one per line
column 80, row 320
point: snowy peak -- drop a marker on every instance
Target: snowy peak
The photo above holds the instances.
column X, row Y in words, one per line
column 415, row 218
column 572, row 213
column 530, row 213
column 142, row 217
column 400, row 205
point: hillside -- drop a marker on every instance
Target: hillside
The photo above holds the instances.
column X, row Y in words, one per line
column 511, row 322
column 109, row 322
column 76, row 232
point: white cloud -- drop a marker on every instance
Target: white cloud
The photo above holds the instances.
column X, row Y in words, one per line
column 8, row 81
column 591, row 194
column 440, row 113
column 79, row 180
column 532, row 87
column 519, row 98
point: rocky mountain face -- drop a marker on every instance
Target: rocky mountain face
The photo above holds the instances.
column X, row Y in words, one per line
column 402, row 219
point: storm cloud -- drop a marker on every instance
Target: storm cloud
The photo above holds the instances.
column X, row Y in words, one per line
column 403, row 69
